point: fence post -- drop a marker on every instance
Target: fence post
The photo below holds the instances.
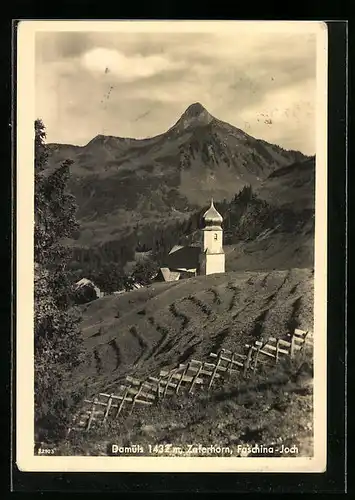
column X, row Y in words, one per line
column 248, row 360
column 292, row 350
column 92, row 414
column 122, row 402
column 277, row 351
column 167, row 383
column 158, row 388
column 304, row 347
column 136, row 396
column 181, row 378
column 215, row 370
column 256, row 358
column 109, row 403
column 195, row 378
column 231, row 364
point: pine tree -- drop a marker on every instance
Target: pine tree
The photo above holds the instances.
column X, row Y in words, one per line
column 57, row 339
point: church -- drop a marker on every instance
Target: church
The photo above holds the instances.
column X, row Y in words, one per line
column 209, row 258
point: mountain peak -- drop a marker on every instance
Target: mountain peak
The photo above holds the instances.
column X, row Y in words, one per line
column 195, row 109
column 195, row 115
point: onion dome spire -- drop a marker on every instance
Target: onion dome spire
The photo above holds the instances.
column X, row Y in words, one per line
column 212, row 217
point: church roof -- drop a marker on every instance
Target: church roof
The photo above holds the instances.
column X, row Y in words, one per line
column 175, row 248
column 211, row 216
column 186, row 257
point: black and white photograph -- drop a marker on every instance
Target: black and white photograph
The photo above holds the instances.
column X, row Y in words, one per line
column 172, row 180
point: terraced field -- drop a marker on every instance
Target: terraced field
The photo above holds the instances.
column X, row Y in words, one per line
column 165, row 324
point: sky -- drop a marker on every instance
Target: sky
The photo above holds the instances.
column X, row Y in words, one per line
column 137, row 84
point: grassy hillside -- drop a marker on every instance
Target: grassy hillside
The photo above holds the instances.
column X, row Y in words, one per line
column 169, row 323
column 292, row 186
column 271, row 251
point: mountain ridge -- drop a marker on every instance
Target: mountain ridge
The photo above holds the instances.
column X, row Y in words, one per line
column 192, row 114
column 118, row 181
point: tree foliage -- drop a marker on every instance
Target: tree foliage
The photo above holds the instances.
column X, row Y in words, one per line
column 57, row 341
column 144, row 271
column 110, row 277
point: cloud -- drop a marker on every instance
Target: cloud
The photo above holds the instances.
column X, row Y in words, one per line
column 138, row 84
column 126, row 68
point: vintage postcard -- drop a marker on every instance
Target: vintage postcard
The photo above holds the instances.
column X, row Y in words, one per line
column 172, row 246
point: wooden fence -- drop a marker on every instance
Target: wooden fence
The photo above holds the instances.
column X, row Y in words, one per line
column 188, row 377
column 105, row 405
column 263, row 352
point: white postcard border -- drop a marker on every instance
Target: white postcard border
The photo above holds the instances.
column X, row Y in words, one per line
column 24, row 424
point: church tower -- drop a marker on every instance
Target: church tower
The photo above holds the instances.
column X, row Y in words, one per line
column 212, row 259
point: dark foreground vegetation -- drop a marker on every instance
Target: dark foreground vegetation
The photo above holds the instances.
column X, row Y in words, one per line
column 271, row 408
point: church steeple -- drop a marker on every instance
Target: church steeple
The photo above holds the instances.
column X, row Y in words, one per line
column 212, row 255
column 211, row 217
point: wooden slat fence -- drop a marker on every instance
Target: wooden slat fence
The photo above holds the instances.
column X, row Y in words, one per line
column 188, row 377
column 106, row 406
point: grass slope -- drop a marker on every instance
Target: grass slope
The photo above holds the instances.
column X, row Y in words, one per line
column 165, row 324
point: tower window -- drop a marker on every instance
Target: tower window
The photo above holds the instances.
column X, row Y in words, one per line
column 215, row 236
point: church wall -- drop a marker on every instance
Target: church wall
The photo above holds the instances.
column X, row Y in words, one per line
column 214, row 263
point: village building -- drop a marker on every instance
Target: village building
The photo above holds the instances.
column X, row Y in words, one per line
column 209, row 258
column 86, row 291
